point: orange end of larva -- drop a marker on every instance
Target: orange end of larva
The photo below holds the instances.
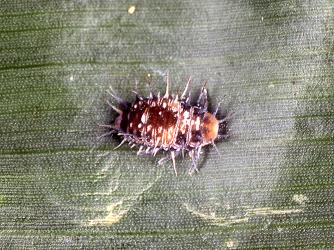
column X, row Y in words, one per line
column 210, row 128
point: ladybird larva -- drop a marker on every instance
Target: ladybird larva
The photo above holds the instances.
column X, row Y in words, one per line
column 170, row 123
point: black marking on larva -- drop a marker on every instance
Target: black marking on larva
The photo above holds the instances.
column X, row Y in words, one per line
column 169, row 123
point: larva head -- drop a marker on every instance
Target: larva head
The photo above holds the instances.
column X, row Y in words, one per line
column 210, row 128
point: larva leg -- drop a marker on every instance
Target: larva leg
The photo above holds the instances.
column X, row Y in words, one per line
column 167, row 86
column 172, row 157
column 217, row 108
column 186, row 89
column 105, row 134
column 111, row 92
column 203, row 98
column 172, row 154
column 194, row 155
column 120, row 112
column 122, row 142
column 228, row 117
column 112, row 130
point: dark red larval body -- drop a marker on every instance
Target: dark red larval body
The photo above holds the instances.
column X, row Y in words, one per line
column 169, row 123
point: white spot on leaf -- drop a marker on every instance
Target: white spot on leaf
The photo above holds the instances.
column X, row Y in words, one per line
column 230, row 244
column 300, row 198
column 131, row 9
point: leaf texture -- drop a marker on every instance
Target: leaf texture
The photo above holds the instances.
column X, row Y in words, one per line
column 270, row 62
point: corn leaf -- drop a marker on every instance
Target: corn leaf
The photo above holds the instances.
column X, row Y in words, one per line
column 268, row 62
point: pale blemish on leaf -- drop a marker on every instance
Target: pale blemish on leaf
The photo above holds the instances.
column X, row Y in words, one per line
column 300, row 198
column 264, row 211
column 249, row 213
column 116, row 211
column 93, row 194
column 230, row 244
column 119, row 209
column 131, row 9
column 217, row 220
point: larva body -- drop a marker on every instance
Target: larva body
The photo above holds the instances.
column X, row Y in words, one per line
column 168, row 123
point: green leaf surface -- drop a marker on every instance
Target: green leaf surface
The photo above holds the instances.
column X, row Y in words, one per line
column 270, row 186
